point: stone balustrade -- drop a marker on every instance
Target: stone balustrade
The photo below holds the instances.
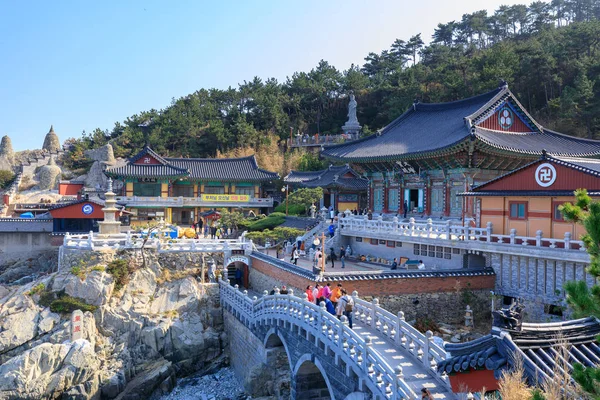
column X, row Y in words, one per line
column 131, row 240
column 301, row 316
column 396, row 230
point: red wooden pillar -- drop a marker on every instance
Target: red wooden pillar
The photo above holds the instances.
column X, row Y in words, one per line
column 428, row 199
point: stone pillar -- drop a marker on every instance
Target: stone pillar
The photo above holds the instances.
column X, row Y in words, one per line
column 110, row 226
column 76, row 325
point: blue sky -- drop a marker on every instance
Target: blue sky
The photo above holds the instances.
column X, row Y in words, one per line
column 81, row 65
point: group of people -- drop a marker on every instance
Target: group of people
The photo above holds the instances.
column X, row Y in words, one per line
column 337, row 300
column 213, row 229
column 420, row 265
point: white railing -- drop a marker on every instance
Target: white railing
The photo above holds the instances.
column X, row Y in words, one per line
column 382, row 379
column 448, row 231
column 190, row 201
column 131, row 240
column 395, row 328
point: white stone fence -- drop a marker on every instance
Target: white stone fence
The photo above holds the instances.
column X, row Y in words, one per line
column 131, row 240
column 395, row 230
column 384, row 380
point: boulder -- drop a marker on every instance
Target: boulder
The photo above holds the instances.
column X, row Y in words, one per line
column 49, row 175
column 48, row 370
column 95, row 289
column 19, row 318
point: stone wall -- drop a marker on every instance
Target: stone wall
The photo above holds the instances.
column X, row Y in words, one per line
column 15, row 242
column 439, row 298
column 539, row 281
column 245, row 349
column 403, row 249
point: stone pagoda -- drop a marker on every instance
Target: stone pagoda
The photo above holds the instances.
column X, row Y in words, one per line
column 110, row 226
column 352, row 127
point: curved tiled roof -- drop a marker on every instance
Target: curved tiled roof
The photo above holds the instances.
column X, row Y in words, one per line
column 223, row 169
column 534, row 143
column 433, row 128
column 421, row 129
column 538, row 344
column 330, row 177
column 218, row 169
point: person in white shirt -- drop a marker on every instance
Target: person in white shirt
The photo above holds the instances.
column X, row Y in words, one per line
column 421, row 265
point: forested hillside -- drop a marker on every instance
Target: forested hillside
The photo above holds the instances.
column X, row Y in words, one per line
column 549, row 53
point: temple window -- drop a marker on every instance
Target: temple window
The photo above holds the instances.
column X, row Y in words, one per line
column 557, row 216
column 183, row 190
column 146, row 189
column 245, row 191
column 214, row 190
column 518, row 210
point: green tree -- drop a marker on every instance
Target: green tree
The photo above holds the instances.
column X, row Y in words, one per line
column 310, row 162
column 6, row 178
column 306, row 197
column 583, row 301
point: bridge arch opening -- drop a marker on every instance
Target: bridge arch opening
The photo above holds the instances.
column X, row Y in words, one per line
column 310, row 380
column 278, row 359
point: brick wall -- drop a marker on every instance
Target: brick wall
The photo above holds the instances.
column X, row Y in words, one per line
column 441, row 299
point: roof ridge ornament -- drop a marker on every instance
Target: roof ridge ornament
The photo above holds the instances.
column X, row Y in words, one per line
column 503, row 84
column 544, row 154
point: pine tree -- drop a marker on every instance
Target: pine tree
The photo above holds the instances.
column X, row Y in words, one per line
column 583, row 301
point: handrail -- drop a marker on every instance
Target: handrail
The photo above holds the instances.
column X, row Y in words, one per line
column 130, row 240
column 448, row 231
column 381, row 378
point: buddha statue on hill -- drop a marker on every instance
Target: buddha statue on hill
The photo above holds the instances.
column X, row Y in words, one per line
column 352, row 127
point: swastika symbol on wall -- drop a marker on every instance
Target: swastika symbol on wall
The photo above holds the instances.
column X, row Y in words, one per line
column 545, row 175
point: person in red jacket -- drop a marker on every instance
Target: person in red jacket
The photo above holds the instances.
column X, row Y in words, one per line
column 309, row 292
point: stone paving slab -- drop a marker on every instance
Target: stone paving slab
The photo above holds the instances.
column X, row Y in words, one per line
column 414, row 373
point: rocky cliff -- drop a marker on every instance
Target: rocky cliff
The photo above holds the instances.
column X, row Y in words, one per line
column 144, row 325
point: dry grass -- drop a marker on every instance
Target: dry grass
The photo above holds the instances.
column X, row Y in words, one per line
column 561, row 382
column 167, row 275
column 512, row 384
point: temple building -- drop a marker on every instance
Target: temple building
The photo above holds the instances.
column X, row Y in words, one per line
column 433, row 152
column 343, row 187
column 527, row 200
column 178, row 189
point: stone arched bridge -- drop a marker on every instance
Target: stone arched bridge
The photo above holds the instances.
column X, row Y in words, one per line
column 382, row 357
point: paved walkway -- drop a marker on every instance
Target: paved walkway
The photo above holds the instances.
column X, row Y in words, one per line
column 415, row 374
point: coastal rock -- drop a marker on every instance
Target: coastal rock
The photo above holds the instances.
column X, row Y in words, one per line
column 48, row 370
column 95, row 289
column 18, row 322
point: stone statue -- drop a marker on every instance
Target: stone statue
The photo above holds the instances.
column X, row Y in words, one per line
column 509, row 318
column 313, row 210
column 352, row 126
column 352, row 119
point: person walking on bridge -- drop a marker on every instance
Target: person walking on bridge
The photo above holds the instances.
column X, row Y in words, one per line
column 309, row 293
column 328, row 305
column 336, row 293
column 347, row 302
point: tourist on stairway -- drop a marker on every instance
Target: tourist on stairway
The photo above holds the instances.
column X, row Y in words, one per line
column 347, row 304
column 309, row 293
column 426, row 394
column 332, row 257
column 328, row 305
column 336, row 293
column 316, row 290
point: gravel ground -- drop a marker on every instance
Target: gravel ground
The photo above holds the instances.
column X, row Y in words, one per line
column 221, row 385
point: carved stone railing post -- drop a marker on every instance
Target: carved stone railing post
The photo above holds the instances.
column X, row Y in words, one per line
column 538, row 238
column 426, row 343
column 398, row 337
column 488, row 232
column 513, row 233
column 411, row 226
column 568, row 240
column 395, row 224
column 449, row 230
column 429, row 227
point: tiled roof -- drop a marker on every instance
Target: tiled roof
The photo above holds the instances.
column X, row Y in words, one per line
column 81, row 201
column 299, row 223
column 222, row 169
column 443, row 127
column 330, row 177
column 554, row 143
column 587, row 165
column 25, row 225
column 421, row 129
column 538, row 344
column 150, row 170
